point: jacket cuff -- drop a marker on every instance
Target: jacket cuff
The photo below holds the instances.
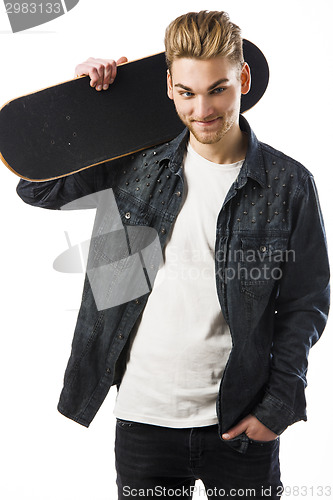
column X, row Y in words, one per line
column 274, row 414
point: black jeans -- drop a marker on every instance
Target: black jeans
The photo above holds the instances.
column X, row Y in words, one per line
column 160, row 462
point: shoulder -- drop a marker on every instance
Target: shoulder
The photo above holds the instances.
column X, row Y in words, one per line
column 287, row 174
column 275, row 158
column 112, row 171
column 149, row 155
column 158, row 155
column 285, row 171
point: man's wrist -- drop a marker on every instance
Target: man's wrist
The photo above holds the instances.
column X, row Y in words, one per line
column 274, row 414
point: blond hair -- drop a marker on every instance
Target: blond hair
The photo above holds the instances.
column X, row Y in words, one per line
column 203, row 35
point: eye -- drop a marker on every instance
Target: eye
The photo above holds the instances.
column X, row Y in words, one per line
column 218, row 90
column 187, row 94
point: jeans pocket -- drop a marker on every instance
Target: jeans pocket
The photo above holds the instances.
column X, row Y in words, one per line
column 128, row 424
column 272, row 442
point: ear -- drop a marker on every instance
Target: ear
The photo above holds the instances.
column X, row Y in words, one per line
column 245, row 79
column 169, row 85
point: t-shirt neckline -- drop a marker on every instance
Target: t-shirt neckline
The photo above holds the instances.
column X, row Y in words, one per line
column 211, row 164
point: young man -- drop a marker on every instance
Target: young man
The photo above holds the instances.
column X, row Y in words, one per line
column 211, row 364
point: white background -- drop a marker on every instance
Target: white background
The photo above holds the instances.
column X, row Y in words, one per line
column 45, row 456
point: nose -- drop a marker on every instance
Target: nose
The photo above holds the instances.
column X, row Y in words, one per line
column 203, row 109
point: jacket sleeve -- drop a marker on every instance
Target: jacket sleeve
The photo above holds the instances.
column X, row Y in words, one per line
column 301, row 313
column 56, row 193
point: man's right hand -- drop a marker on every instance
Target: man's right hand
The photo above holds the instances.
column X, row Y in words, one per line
column 102, row 72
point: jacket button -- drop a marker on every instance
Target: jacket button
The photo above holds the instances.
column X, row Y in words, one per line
column 178, row 193
column 128, row 215
column 108, row 370
column 263, row 248
column 163, row 230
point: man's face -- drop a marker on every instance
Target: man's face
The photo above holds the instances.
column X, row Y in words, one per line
column 207, row 95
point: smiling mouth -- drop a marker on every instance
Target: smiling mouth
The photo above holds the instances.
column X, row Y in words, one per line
column 207, row 123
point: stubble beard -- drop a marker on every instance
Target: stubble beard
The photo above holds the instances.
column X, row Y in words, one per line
column 207, row 137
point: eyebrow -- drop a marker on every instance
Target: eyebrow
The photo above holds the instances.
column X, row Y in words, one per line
column 215, row 84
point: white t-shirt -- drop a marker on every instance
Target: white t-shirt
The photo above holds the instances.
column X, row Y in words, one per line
column 182, row 342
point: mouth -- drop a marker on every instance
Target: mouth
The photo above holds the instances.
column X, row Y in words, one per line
column 207, row 123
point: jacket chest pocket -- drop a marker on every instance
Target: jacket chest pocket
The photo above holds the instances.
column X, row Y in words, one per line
column 261, row 264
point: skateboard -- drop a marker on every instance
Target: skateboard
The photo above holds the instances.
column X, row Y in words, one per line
column 68, row 127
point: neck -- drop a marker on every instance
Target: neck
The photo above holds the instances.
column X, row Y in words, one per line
column 230, row 148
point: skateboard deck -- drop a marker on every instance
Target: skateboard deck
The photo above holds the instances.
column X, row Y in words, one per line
column 68, row 127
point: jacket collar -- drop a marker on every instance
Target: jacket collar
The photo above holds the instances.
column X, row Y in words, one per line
column 176, row 150
column 253, row 165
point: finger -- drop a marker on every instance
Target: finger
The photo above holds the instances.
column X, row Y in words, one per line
column 96, row 77
column 82, row 69
column 92, row 69
column 104, row 71
column 235, row 431
column 99, row 71
column 122, row 60
column 109, row 74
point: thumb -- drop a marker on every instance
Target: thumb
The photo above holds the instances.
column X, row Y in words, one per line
column 122, row 60
column 235, row 431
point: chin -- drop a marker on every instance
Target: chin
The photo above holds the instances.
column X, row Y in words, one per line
column 207, row 140
column 208, row 137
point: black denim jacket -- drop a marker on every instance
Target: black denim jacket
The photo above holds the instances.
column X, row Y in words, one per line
column 272, row 279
